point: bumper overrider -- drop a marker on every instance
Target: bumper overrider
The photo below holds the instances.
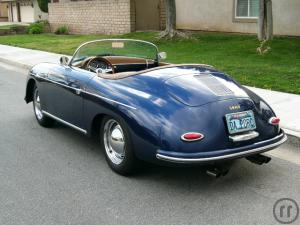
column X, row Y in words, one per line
column 224, row 154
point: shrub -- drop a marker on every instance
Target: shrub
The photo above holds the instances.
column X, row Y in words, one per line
column 46, row 25
column 18, row 29
column 35, row 28
column 62, row 30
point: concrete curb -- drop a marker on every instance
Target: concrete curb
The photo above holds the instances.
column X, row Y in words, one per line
column 293, row 140
column 293, row 136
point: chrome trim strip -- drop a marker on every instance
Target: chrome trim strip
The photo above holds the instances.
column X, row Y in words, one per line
column 244, row 137
column 272, row 139
column 78, row 91
column 64, row 122
column 125, row 64
column 234, row 155
column 54, row 82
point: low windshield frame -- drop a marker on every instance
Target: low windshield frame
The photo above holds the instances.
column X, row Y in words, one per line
column 115, row 40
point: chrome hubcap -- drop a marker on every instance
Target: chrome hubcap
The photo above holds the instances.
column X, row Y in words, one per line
column 114, row 141
column 37, row 105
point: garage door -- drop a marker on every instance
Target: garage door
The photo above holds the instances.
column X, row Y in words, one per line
column 27, row 14
column 147, row 14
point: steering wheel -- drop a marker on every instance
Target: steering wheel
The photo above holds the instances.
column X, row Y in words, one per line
column 99, row 65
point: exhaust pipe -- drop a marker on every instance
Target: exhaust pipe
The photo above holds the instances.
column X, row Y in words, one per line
column 216, row 172
column 259, row 159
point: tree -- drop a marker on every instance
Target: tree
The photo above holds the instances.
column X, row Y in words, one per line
column 43, row 4
column 265, row 21
column 170, row 31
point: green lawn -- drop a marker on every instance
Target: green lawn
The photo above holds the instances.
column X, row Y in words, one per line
column 235, row 54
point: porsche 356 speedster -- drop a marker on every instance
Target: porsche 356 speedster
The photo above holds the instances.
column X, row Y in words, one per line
column 143, row 109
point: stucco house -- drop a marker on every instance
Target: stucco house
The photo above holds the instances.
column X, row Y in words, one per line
column 237, row 15
column 123, row 16
column 26, row 11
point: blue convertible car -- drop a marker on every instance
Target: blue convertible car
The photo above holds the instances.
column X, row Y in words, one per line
column 143, row 109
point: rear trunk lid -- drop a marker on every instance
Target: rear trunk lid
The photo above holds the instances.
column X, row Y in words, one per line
column 204, row 88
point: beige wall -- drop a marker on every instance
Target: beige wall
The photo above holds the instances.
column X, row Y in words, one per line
column 217, row 15
column 286, row 17
column 93, row 17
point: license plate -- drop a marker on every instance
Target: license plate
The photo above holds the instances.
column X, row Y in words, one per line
column 240, row 122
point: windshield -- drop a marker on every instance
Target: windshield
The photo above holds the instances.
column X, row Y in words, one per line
column 116, row 47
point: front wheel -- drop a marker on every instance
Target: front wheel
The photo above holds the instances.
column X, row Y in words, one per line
column 117, row 146
column 40, row 117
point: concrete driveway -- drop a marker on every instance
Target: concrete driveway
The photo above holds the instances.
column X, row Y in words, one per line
column 58, row 176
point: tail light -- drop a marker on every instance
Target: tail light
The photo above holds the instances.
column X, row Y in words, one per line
column 192, row 136
column 274, row 121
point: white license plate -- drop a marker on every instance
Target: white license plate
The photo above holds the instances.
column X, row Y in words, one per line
column 240, row 122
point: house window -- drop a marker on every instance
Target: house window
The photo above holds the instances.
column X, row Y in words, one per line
column 248, row 9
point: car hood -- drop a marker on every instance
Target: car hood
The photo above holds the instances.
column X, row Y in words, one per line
column 203, row 88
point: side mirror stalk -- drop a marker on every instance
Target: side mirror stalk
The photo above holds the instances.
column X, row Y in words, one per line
column 162, row 55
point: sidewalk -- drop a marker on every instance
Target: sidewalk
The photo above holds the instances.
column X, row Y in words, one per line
column 13, row 23
column 286, row 106
column 25, row 58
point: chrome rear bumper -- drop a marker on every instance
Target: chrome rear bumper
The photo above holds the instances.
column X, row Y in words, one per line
column 241, row 154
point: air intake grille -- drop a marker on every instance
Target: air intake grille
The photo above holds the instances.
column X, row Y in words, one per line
column 214, row 85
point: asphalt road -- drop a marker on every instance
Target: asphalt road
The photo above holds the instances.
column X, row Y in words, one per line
column 58, row 176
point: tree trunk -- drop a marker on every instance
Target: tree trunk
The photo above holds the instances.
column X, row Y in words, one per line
column 171, row 16
column 269, row 17
column 170, row 31
column 265, row 21
column 261, row 22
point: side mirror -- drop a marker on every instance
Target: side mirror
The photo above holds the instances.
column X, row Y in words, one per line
column 64, row 60
column 162, row 55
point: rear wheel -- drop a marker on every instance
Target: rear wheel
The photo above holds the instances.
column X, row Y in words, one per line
column 117, row 146
column 42, row 119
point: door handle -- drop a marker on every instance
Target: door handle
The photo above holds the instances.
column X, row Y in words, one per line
column 75, row 86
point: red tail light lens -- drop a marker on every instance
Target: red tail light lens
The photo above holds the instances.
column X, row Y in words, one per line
column 274, row 121
column 192, row 136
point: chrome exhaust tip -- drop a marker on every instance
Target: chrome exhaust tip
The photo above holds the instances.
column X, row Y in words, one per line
column 217, row 172
column 259, row 159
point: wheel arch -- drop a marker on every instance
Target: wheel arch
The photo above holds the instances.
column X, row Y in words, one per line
column 29, row 90
column 96, row 124
column 145, row 138
column 98, row 118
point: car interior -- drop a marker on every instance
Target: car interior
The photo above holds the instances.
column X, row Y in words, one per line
column 117, row 66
